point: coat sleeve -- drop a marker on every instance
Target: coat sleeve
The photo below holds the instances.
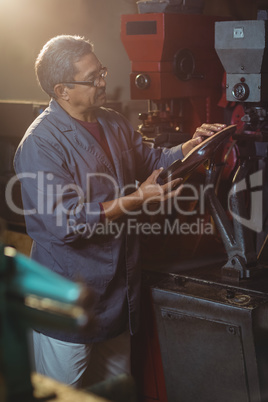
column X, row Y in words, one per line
column 51, row 199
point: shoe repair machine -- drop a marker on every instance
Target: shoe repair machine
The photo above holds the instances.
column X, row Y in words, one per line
column 212, row 319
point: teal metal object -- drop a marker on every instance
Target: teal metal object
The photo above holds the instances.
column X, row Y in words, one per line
column 30, row 294
column 32, row 278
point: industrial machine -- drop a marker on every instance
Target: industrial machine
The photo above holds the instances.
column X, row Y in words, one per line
column 217, row 315
column 175, row 67
column 212, row 321
column 211, row 317
column 33, row 295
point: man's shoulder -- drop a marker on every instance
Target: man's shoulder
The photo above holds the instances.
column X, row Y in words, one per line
column 51, row 121
column 44, row 131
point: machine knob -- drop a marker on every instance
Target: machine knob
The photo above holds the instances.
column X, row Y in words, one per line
column 240, row 91
column 142, row 81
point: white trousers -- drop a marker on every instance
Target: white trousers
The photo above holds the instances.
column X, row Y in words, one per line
column 81, row 365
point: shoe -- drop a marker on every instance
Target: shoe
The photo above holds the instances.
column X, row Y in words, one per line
column 198, row 155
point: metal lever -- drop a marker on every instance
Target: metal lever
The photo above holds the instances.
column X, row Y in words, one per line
column 237, row 239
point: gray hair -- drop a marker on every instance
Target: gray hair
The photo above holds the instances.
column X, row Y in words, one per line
column 55, row 62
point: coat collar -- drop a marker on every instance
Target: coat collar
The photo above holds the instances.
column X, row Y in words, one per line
column 66, row 123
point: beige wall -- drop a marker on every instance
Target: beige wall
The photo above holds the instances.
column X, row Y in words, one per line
column 25, row 25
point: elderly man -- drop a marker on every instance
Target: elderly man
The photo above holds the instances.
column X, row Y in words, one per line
column 78, row 164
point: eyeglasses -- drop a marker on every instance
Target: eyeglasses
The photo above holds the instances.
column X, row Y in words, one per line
column 94, row 83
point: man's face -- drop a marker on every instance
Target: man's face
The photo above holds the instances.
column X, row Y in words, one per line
column 81, row 97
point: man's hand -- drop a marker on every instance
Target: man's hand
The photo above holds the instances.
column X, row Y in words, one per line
column 201, row 133
column 151, row 192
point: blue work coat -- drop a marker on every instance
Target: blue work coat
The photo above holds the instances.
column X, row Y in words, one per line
column 65, row 175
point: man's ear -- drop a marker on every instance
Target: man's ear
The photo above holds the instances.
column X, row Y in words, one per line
column 61, row 91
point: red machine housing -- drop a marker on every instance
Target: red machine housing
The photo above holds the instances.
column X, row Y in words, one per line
column 174, row 64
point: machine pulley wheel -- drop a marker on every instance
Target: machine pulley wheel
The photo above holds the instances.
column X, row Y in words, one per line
column 184, row 64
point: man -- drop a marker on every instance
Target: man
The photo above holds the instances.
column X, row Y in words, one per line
column 78, row 164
